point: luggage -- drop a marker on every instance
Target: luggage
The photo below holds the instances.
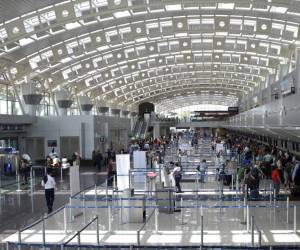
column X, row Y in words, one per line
column 227, row 180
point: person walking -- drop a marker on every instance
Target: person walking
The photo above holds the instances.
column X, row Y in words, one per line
column 48, row 183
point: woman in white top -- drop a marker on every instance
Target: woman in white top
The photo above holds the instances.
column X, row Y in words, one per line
column 48, row 183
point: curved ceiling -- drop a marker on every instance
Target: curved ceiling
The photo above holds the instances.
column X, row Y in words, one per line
column 128, row 51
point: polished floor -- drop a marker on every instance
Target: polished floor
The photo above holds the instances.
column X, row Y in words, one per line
column 23, row 207
column 226, row 218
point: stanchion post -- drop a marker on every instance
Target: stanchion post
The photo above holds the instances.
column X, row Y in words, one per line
column 232, row 178
column 31, row 181
column 65, row 220
column 181, row 211
column 248, row 219
column 97, row 230
column 287, row 209
column 19, row 184
column 70, row 208
column 201, row 241
column 160, row 179
column 43, row 232
column 138, row 238
column 78, row 239
column 106, row 192
column 252, row 231
column 156, row 220
column 129, row 178
column 259, row 238
column 61, row 174
column 19, row 240
column 201, row 210
column 245, row 210
column 270, row 194
column 236, row 185
column 109, row 218
column 295, row 219
column 96, row 196
column 121, row 212
column 83, row 203
column 114, row 182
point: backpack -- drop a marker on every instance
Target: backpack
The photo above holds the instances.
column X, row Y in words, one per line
column 45, row 179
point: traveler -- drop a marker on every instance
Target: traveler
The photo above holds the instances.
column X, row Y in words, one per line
column 48, row 183
column 98, row 160
column 219, row 163
column 202, row 168
column 177, row 174
column 110, row 172
column 276, row 179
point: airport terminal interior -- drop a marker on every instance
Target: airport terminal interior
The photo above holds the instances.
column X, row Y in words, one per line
column 149, row 124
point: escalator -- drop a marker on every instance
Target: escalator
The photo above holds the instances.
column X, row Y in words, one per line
column 140, row 129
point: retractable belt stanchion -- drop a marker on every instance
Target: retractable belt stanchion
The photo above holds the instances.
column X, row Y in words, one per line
column 202, row 236
column 252, row 231
column 181, row 212
column 78, row 240
column 96, row 196
column 19, row 240
column 270, row 194
column 236, row 185
column 109, row 218
column 65, row 220
column 245, row 209
column 106, row 192
column 248, row 222
column 70, row 208
column 295, row 219
column 44, row 233
column 18, row 182
column 97, row 230
column 287, row 209
column 61, row 174
column 156, row 220
column 31, row 181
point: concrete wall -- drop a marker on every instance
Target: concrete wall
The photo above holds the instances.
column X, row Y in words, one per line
column 114, row 130
column 88, row 128
column 53, row 127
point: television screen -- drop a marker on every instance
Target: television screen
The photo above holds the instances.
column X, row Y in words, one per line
column 52, row 143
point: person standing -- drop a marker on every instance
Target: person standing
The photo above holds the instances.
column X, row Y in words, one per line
column 177, row 174
column 276, row 178
column 48, row 183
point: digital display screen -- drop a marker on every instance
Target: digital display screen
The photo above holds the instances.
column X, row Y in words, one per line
column 52, row 143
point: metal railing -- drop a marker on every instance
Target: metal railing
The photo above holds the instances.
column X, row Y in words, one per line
column 78, row 234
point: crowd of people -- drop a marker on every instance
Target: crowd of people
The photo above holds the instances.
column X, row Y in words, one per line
column 258, row 161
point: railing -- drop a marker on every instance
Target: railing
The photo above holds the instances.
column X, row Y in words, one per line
column 43, row 221
column 253, row 226
column 250, row 223
column 80, row 231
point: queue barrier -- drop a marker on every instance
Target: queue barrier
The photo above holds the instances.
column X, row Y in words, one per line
column 251, row 224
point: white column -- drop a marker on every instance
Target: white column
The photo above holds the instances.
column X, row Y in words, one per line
column 271, row 80
column 156, row 131
column 297, row 71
